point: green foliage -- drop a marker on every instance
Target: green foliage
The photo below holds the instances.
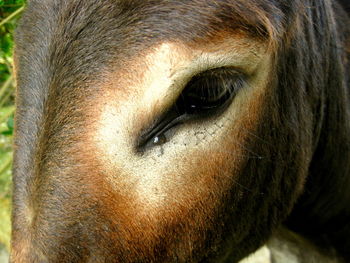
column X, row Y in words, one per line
column 10, row 11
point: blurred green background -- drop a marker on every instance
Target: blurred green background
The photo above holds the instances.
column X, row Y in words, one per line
column 10, row 11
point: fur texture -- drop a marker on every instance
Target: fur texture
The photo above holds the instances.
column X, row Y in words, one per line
column 64, row 210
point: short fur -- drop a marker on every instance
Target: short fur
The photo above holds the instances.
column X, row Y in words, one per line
column 64, row 46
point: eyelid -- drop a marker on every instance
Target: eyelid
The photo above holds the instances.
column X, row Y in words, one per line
column 220, row 71
column 213, row 84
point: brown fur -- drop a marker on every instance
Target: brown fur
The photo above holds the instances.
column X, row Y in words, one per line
column 64, row 208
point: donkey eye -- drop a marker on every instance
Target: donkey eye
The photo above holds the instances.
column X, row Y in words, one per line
column 209, row 92
column 206, row 94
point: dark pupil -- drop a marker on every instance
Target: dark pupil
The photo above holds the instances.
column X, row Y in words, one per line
column 208, row 92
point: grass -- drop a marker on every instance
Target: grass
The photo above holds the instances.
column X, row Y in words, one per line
column 9, row 14
column 5, row 173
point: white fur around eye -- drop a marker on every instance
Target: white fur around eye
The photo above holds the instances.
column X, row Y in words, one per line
column 168, row 67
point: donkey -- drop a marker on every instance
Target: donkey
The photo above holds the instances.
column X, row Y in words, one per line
column 181, row 130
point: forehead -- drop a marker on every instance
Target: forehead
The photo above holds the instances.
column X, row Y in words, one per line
column 78, row 39
column 153, row 19
column 113, row 24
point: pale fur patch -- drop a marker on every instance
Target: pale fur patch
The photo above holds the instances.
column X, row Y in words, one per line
column 162, row 73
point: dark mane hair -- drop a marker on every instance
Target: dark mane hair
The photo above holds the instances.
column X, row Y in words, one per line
column 302, row 179
column 321, row 64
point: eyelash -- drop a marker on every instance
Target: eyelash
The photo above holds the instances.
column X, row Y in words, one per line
column 209, row 92
column 205, row 95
